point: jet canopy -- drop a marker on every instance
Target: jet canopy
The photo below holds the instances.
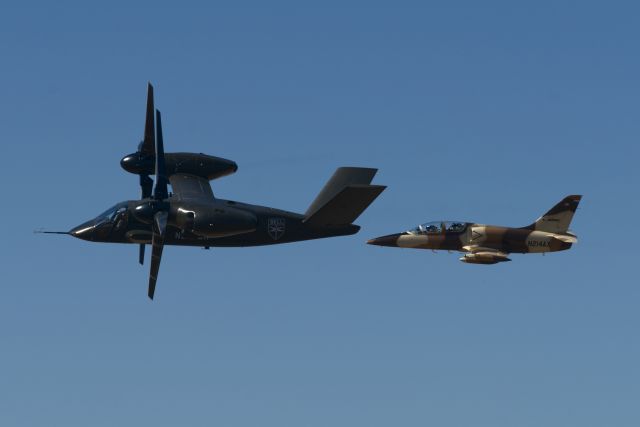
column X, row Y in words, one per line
column 112, row 213
column 437, row 227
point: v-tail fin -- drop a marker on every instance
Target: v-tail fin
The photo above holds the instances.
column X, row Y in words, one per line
column 344, row 197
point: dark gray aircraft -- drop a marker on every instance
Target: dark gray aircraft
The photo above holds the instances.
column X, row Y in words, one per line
column 192, row 216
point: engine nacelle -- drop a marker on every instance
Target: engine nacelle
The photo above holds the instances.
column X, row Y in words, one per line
column 215, row 221
column 484, row 258
column 201, row 165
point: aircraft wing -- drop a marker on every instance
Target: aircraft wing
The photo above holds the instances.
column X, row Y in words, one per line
column 473, row 249
column 191, row 187
column 481, row 255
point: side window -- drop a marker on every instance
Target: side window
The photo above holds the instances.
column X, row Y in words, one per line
column 117, row 213
column 120, row 218
column 430, row 228
column 455, row 227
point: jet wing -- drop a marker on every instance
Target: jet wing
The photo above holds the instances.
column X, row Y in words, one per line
column 191, row 187
column 473, row 249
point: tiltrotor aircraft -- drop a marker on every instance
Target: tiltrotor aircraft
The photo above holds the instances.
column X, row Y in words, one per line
column 488, row 244
column 192, row 216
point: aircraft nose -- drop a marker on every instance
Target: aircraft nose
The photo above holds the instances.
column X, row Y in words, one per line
column 389, row 240
column 84, row 231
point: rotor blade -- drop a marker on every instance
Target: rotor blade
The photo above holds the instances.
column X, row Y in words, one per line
column 160, row 191
column 141, row 254
column 157, row 243
column 148, row 143
column 146, row 184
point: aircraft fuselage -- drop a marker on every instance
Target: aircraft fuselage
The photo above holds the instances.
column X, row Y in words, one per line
column 506, row 239
column 258, row 225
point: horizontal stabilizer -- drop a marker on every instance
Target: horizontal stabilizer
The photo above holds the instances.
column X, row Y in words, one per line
column 566, row 238
column 346, row 206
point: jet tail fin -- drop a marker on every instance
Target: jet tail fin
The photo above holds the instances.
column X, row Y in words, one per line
column 558, row 218
column 345, row 196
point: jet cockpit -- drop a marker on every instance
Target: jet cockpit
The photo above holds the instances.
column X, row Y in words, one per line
column 113, row 214
column 438, row 227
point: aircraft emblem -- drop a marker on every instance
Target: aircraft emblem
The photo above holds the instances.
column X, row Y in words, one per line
column 276, row 227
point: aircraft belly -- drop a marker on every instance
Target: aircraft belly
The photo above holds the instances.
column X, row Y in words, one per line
column 270, row 231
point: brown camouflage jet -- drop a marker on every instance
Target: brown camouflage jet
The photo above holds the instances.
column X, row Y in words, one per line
column 488, row 244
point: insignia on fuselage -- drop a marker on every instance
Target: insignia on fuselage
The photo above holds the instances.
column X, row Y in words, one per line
column 276, row 227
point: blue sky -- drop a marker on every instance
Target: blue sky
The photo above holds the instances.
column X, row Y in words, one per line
column 489, row 113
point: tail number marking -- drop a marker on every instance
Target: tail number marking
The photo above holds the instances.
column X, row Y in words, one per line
column 538, row 243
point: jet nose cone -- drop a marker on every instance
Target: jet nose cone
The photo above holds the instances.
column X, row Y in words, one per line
column 83, row 231
column 390, row 240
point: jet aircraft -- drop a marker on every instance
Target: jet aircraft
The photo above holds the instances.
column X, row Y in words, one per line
column 192, row 216
column 488, row 244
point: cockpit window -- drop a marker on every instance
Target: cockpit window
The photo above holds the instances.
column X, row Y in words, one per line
column 112, row 213
column 427, row 228
column 436, row 227
column 455, row 227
